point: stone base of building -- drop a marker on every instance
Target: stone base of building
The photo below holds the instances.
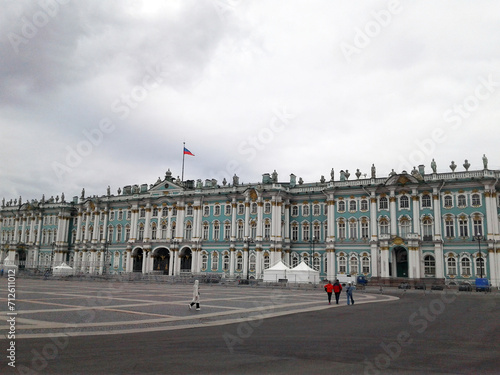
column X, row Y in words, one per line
column 397, row 281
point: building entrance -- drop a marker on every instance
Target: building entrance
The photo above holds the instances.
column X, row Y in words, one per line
column 401, row 256
column 161, row 261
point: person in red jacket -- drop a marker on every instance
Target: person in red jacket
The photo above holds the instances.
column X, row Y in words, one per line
column 337, row 288
column 329, row 290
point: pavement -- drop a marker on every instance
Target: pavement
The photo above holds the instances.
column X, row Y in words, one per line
column 112, row 327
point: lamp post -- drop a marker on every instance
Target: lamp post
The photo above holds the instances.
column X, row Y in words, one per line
column 106, row 250
column 478, row 237
column 52, row 255
column 313, row 241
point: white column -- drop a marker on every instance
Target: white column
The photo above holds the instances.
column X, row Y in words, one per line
column 23, row 229
column 133, row 223
column 179, row 229
column 231, row 261
column 147, row 224
column 234, row 211
column 437, row 215
column 258, row 263
column 286, row 235
column 87, row 224
column 416, row 212
column 384, row 261
column 331, row 267
column 260, row 215
column 392, row 210
column 78, row 226
column 247, row 218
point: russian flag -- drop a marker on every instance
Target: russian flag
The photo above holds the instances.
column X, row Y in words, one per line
column 187, row 152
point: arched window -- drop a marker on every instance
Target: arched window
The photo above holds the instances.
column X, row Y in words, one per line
column 305, row 210
column 353, row 265
column 153, row 231
column 476, row 200
column 341, row 206
column 364, row 229
column 383, row 204
column 141, row 232
column 452, row 266
column 295, row 211
column 305, row 232
column 189, row 211
column 267, row 230
column 465, row 266
column 254, row 208
column 342, row 264
column 448, row 201
column 240, row 230
column 205, row 231
column 217, row 210
column 251, row 263
column 480, row 271
column 266, row 261
column 426, row 201
column 188, row 231
column 164, row 211
column 353, row 229
column 365, row 264
column 295, row 261
column 429, row 266
column 239, row 263
column 204, row 262
column 253, row 230
column 216, row 231
column 449, row 227
column 405, row 226
column 119, row 233
column 364, row 205
column 341, row 230
column 316, row 263
column 206, row 210
column 427, row 229
column 295, row 232
column 267, row 208
column 215, row 261
column 316, row 210
column 227, row 230
column 164, row 230
column 463, row 226
column 384, row 226
column 404, row 202
column 352, row 205
column 461, row 201
column 225, row 260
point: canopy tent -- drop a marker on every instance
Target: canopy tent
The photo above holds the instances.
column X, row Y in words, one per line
column 276, row 272
column 62, row 270
column 302, row 273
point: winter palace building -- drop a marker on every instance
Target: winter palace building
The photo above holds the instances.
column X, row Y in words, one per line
column 431, row 227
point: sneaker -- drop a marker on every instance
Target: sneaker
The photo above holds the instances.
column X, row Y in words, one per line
column 198, row 309
column 189, row 307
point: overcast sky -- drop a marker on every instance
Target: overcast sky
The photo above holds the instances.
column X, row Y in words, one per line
column 96, row 93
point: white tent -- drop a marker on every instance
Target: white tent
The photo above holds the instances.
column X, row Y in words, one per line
column 275, row 273
column 63, row 270
column 303, row 274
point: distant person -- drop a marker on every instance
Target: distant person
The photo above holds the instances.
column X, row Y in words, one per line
column 350, row 288
column 1, row 272
column 329, row 291
column 337, row 289
column 196, row 296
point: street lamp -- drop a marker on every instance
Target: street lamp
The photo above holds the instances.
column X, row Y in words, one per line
column 106, row 250
column 313, row 241
column 478, row 237
column 53, row 244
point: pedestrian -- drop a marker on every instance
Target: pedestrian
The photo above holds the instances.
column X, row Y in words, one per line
column 337, row 288
column 1, row 273
column 196, row 296
column 329, row 290
column 349, row 290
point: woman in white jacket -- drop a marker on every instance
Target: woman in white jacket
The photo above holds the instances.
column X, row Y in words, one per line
column 196, row 296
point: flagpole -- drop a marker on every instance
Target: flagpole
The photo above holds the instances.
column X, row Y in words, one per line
column 183, row 155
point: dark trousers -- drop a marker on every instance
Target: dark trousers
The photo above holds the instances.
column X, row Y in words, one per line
column 337, row 296
column 329, row 296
